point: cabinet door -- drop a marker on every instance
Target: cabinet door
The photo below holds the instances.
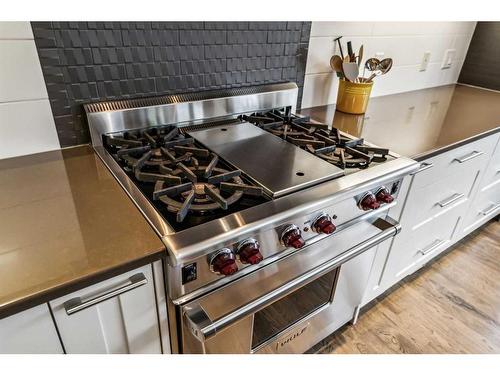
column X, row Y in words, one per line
column 118, row 315
column 29, row 332
column 486, row 203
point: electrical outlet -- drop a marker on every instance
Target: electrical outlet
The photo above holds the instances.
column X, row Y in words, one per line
column 380, row 55
column 449, row 54
column 425, row 61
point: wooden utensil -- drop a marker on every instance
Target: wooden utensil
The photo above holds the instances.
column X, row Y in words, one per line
column 360, row 55
column 351, row 71
column 336, row 63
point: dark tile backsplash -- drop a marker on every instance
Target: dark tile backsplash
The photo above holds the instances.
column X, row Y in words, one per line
column 483, row 57
column 91, row 61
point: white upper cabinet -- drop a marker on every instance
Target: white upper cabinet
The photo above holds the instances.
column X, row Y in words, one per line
column 29, row 332
column 15, row 30
column 118, row 315
column 20, row 72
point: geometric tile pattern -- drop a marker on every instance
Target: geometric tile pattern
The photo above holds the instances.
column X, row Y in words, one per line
column 84, row 62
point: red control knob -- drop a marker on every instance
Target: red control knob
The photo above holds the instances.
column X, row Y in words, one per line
column 323, row 224
column 223, row 262
column 249, row 252
column 292, row 237
column 369, row 202
column 383, row 195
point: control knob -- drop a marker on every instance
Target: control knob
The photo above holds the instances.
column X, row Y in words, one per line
column 223, row 262
column 368, row 202
column 249, row 251
column 292, row 237
column 323, row 224
column 383, row 195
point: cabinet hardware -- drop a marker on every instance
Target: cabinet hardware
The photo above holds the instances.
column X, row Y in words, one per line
column 491, row 209
column 473, row 155
column 423, row 167
column 77, row 304
column 432, row 247
column 452, row 199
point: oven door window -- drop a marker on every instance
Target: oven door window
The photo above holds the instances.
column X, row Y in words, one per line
column 290, row 309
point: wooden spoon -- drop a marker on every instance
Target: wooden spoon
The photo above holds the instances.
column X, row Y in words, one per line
column 360, row 55
column 336, row 63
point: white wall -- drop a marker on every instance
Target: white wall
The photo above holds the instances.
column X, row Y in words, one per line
column 26, row 122
column 405, row 42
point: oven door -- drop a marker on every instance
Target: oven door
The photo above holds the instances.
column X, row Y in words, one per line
column 283, row 307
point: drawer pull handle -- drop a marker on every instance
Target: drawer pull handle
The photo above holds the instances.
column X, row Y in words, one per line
column 432, row 247
column 452, row 199
column 77, row 304
column 473, row 155
column 423, row 167
column 491, row 209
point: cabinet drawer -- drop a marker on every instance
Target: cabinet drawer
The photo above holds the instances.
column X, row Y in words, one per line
column 420, row 245
column 485, row 206
column 118, row 315
column 428, row 202
column 492, row 174
column 460, row 160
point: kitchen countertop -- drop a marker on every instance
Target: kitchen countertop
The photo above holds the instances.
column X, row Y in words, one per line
column 65, row 223
column 422, row 123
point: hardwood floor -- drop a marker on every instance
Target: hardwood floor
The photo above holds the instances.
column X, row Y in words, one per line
column 450, row 306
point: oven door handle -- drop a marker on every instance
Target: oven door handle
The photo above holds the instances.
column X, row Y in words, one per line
column 202, row 326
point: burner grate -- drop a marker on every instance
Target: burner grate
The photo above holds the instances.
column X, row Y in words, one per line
column 318, row 139
column 186, row 178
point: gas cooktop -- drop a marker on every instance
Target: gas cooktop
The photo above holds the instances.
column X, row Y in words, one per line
column 196, row 174
column 186, row 182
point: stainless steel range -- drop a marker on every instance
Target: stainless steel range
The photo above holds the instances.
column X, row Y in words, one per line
column 270, row 219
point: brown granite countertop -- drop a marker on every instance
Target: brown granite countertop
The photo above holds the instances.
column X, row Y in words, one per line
column 423, row 123
column 65, row 222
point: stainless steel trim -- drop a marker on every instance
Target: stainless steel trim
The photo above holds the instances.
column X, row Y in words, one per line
column 491, row 209
column 455, row 197
column 208, row 328
column 77, row 304
column 197, row 320
column 431, row 247
column 473, row 155
column 116, row 105
column 423, row 167
column 186, row 109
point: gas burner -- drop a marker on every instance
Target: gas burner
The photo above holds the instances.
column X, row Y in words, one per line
column 319, row 139
column 209, row 188
column 186, row 178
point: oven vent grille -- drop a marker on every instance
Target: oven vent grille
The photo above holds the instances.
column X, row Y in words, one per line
column 117, row 105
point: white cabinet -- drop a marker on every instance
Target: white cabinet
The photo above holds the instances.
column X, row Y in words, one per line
column 486, row 203
column 446, row 192
column 29, row 332
column 118, row 315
